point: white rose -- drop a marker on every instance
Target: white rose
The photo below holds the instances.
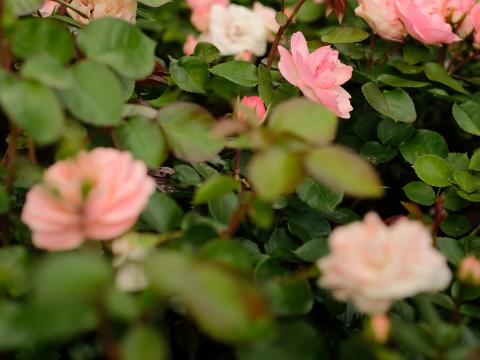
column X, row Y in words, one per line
column 235, row 29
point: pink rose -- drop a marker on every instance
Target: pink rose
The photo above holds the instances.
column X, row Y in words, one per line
column 95, row 9
column 372, row 265
column 48, row 8
column 255, row 103
column 97, row 195
column 201, row 9
column 469, row 271
column 425, row 21
column 190, row 44
column 455, row 10
column 382, row 17
column 471, row 23
column 318, row 74
column 381, row 326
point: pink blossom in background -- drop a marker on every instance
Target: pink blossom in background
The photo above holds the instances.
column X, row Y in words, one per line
column 268, row 16
column 381, row 326
column 469, row 270
column 382, row 17
column 373, row 265
column 96, row 195
column 201, row 9
column 424, row 20
column 456, row 10
column 190, row 44
column 244, row 56
column 48, row 8
column 471, row 23
column 122, row 9
column 319, row 74
column 256, row 104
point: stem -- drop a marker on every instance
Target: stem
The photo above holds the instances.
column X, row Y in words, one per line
column 32, row 156
column 73, row 8
column 235, row 221
column 11, row 157
column 280, row 32
column 440, row 216
column 236, row 169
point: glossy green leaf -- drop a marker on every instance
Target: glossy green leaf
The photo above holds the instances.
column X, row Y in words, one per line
column 424, row 142
column 345, row 35
column 214, row 187
column 190, row 73
column 467, row 116
column 436, row 72
column 420, row 193
column 239, row 72
column 144, row 343
column 433, row 170
column 318, row 196
column 396, row 81
column 162, row 213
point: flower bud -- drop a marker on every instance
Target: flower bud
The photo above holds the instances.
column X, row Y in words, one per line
column 469, row 271
column 380, row 326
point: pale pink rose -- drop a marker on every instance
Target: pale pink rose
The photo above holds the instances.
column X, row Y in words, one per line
column 235, row 29
column 202, row 4
column 318, row 1
column 469, row 271
column 425, row 21
column 382, row 17
column 381, row 326
column 456, row 10
column 96, row 195
column 268, row 16
column 95, row 9
column 244, row 56
column 372, row 265
column 48, row 8
column 318, row 74
column 255, row 103
column 190, row 44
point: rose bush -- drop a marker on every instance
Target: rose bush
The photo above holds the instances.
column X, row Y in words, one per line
column 223, row 179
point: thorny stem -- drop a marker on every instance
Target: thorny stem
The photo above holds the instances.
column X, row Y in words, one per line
column 73, row 8
column 280, row 32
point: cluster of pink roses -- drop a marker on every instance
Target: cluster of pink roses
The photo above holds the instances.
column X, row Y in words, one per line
column 431, row 22
column 233, row 29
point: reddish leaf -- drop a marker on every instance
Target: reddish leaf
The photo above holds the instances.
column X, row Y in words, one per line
column 336, row 6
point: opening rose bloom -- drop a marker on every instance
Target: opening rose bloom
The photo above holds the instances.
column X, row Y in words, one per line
column 96, row 195
column 425, row 21
column 372, row 265
column 318, row 74
column 471, row 23
column 382, row 17
column 122, row 9
column 256, row 104
column 236, row 29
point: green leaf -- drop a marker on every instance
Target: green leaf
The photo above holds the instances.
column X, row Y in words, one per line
column 377, row 153
column 458, row 161
column 475, row 161
column 87, row 99
column 144, row 139
column 42, row 36
column 424, row 142
column 392, row 133
column 224, row 306
column 187, row 128
column 47, row 70
column 239, row 72
column 70, row 278
column 420, row 193
column 190, row 73
column 466, row 181
column 306, row 120
column 207, row 52
column 452, row 249
column 222, row 207
column 436, row 72
column 33, row 107
column 162, row 213
column 396, row 81
column 214, row 187
column 433, row 170
column 154, row 3
column 308, row 225
column 290, row 296
column 230, row 253
column 274, row 172
column 24, row 7
column 467, row 116
column 455, row 225
column 118, row 44
column 395, row 104
column 313, row 250
column 345, row 35
column 13, row 270
column 144, row 343
column 265, row 87
column 318, row 196
column 341, row 169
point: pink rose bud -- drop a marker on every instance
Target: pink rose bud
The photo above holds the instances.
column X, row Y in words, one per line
column 469, row 271
column 455, row 10
column 382, row 17
column 380, row 325
column 319, row 74
column 256, row 104
column 96, row 195
column 372, row 265
column 425, row 21
column 190, row 44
